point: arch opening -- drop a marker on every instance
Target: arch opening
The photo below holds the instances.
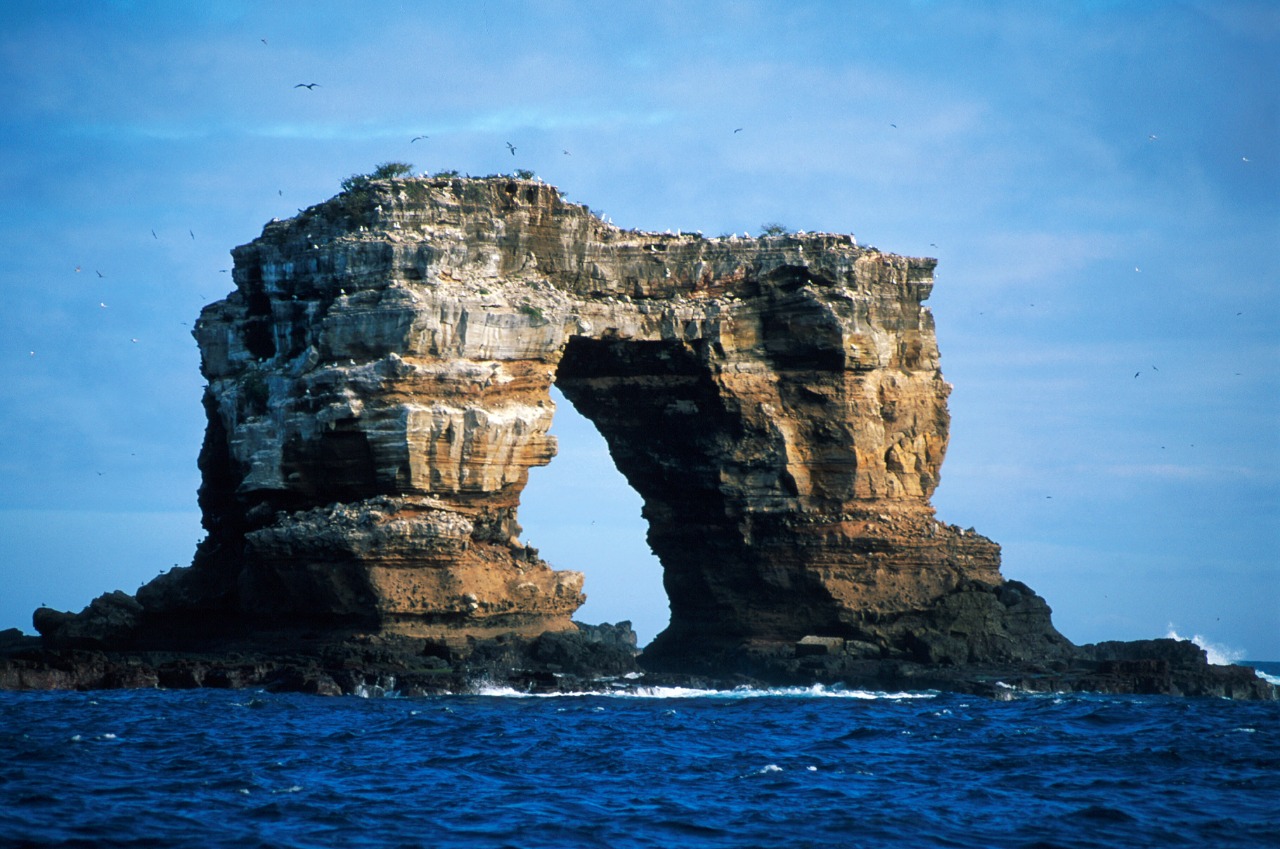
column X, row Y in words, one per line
column 581, row 514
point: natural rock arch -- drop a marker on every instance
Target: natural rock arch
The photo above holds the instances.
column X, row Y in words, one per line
column 378, row 389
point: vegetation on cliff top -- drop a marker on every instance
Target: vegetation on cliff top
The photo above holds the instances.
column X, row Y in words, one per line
column 385, row 171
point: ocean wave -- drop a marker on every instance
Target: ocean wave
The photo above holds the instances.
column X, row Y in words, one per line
column 817, row 691
column 723, row 769
column 1218, row 654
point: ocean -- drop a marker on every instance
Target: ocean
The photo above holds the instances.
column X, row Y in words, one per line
column 660, row 768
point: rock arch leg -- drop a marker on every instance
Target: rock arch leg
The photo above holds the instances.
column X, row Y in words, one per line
column 750, row 495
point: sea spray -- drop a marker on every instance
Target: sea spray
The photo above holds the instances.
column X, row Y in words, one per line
column 1218, row 654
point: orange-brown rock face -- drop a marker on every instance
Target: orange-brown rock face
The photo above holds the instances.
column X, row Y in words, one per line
column 378, row 390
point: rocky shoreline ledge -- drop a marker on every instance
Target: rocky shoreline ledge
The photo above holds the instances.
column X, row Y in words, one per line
column 601, row 658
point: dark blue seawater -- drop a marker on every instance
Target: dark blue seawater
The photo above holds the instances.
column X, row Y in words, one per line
column 763, row 768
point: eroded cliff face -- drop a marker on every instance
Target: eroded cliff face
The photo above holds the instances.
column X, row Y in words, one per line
column 378, row 390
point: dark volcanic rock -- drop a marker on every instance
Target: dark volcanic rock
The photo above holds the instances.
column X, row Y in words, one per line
column 110, row 620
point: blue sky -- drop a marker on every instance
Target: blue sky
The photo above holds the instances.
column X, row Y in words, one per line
column 1013, row 141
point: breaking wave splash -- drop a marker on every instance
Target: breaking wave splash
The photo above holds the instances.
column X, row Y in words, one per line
column 817, row 691
column 1219, row 654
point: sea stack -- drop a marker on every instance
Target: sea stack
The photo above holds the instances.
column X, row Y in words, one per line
column 378, row 388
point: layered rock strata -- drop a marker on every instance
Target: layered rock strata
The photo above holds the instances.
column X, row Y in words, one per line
column 378, row 388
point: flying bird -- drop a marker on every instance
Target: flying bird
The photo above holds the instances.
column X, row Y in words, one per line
column 567, row 153
column 895, row 126
column 263, row 40
column 738, row 130
column 512, row 148
column 78, row 271
column 153, row 235
column 193, row 235
column 1136, row 373
column 307, row 86
column 1152, row 137
column 99, row 273
column 1244, row 159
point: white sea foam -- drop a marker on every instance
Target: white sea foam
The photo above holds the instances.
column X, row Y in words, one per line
column 384, row 688
column 816, row 691
column 1218, row 654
